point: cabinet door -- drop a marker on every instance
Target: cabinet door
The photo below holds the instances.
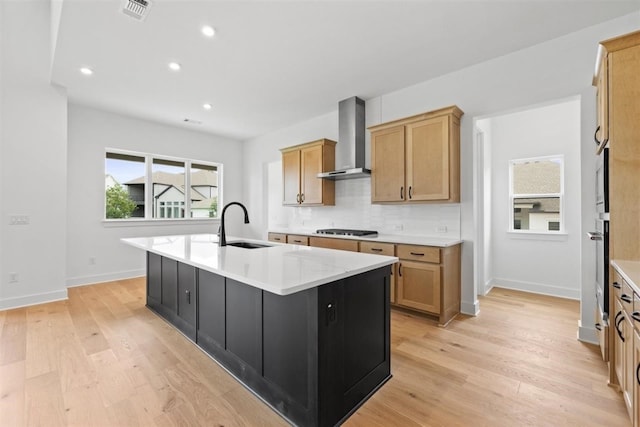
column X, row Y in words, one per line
column 636, row 378
column 187, row 298
column 387, row 165
column 311, row 166
column 419, row 286
column 154, row 279
column 291, row 177
column 629, row 371
column 618, row 344
column 428, row 153
column 602, row 104
column 383, row 249
column 170, row 284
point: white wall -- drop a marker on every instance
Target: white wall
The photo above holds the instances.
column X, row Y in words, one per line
column 535, row 263
column 91, row 131
column 553, row 70
column 33, row 162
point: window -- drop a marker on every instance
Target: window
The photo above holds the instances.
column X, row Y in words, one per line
column 147, row 186
column 536, row 188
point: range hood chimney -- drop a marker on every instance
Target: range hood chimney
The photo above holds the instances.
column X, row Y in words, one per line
column 350, row 146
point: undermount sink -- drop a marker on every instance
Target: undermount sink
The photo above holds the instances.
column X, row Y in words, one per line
column 248, row 245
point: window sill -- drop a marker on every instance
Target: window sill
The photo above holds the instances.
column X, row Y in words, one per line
column 157, row 222
column 557, row 236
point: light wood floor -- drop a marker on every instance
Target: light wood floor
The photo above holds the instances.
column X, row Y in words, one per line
column 102, row 358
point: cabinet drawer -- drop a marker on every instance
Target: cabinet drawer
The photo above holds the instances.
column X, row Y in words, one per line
column 277, row 237
column 298, row 240
column 331, row 243
column 626, row 296
column 419, row 253
column 378, row 248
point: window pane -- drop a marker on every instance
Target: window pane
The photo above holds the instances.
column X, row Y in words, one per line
column 168, row 186
column 204, row 191
column 124, row 186
column 536, row 214
column 537, row 177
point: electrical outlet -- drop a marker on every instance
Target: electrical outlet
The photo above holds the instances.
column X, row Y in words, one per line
column 442, row 229
column 92, row 260
column 13, row 278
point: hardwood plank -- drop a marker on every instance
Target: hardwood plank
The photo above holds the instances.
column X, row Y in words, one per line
column 517, row 363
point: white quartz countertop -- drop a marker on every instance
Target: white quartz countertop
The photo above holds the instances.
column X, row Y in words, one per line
column 630, row 272
column 386, row 238
column 281, row 269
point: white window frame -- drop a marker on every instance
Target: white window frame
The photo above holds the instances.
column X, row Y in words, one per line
column 148, row 205
column 560, row 195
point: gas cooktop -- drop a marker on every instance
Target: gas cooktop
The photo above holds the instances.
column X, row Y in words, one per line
column 346, row 232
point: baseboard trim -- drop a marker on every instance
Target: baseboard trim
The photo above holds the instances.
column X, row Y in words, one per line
column 587, row 335
column 34, row 299
column 101, row 278
column 470, row 308
column 536, row 288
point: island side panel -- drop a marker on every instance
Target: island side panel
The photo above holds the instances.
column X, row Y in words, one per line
column 244, row 323
column 211, row 311
column 290, row 353
column 354, row 338
column 154, row 280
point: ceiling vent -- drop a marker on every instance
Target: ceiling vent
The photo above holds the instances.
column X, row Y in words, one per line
column 138, row 9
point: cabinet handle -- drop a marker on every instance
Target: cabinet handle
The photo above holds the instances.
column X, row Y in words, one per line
column 626, row 298
column 298, row 198
column 636, row 316
column 297, row 241
column 376, row 249
column 277, row 239
column 616, row 285
column 598, row 326
column 400, row 270
column 402, row 192
column 595, row 137
column 620, row 320
column 302, row 198
column 409, row 191
column 416, row 254
column 638, row 372
column 188, row 296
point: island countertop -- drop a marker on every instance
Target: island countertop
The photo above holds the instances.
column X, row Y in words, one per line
column 280, row 268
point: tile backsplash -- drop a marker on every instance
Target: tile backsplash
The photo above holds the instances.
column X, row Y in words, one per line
column 353, row 209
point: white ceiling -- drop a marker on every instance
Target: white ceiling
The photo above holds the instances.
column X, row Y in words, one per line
column 273, row 64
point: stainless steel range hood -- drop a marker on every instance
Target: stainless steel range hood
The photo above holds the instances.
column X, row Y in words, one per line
column 350, row 146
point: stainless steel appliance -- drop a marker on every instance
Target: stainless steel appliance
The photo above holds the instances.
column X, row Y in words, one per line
column 347, row 232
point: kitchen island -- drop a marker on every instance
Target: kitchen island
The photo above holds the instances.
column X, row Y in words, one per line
column 305, row 329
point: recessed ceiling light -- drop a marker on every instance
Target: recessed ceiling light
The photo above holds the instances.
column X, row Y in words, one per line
column 174, row 66
column 208, row 31
column 86, row 71
column 207, row 106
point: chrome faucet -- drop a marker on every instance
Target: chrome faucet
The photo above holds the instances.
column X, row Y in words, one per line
column 222, row 238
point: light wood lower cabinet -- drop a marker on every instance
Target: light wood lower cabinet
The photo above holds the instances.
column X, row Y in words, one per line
column 295, row 239
column 331, row 243
column 428, row 280
column 277, row 237
column 387, row 249
column 636, row 378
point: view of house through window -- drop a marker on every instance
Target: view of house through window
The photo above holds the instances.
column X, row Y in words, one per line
column 536, row 189
column 173, row 182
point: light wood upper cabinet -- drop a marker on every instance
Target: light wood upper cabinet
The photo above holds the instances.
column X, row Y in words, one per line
column 601, row 81
column 387, row 160
column 300, row 166
column 417, row 159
